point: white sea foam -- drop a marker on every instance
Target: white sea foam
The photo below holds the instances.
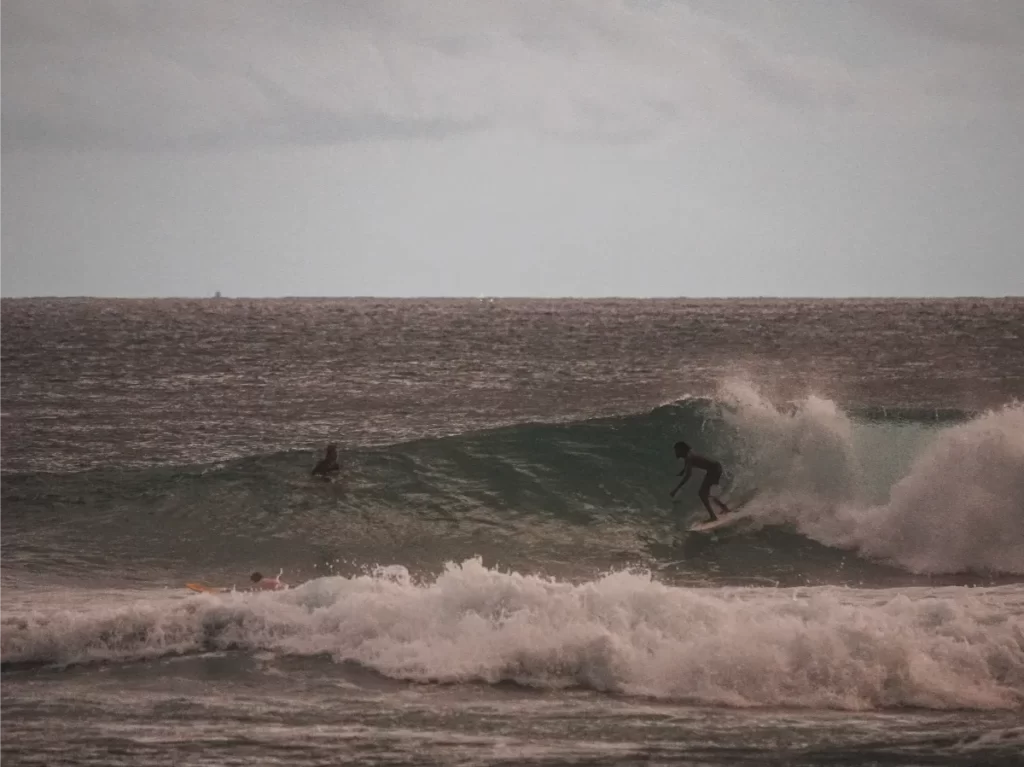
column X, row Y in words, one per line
column 623, row 633
column 954, row 504
column 807, row 447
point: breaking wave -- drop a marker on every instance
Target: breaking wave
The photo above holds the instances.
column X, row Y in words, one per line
column 622, row 633
column 931, row 492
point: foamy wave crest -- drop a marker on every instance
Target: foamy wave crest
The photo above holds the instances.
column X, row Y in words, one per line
column 960, row 507
column 624, row 633
column 807, row 447
column 929, row 498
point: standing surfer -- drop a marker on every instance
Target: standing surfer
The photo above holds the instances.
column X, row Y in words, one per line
column 712, row 474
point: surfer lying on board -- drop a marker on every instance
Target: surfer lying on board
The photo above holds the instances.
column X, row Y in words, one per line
column 712, row 475
column 266, row 584
column 328, row 464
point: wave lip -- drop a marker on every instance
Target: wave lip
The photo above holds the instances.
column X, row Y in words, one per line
column 931, row 498
column 623, row 633
column 958, row 508
column 961, row 507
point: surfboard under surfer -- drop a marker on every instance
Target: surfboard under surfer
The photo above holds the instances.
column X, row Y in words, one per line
column 328, row 464
column 712, row 475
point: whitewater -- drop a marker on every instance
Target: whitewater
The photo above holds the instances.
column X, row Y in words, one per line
column 624, row 633
column 499, row 575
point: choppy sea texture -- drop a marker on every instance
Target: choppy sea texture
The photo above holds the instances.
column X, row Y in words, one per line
column 89, row 382
column 499, row 576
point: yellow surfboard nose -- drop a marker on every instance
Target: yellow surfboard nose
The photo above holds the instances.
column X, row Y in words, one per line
column 203, row 588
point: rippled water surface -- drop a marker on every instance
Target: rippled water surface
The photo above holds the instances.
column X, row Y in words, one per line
column 499, row 575
column 92, row 382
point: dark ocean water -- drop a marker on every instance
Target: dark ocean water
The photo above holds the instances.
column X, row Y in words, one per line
column 499, row 575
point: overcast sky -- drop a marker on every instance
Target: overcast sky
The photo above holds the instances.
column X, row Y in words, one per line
column 560, row 148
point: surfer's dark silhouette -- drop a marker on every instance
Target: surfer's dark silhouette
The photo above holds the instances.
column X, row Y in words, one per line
column 712, row 476
column 328, row 464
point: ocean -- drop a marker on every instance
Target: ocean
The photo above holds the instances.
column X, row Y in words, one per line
column 499, row 576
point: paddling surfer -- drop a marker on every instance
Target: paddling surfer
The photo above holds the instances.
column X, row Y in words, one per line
column 712, row 475
column 328, row 464
column 262, row 583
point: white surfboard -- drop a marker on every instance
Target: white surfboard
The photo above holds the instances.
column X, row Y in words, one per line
column 724, row 520
column 729, row 518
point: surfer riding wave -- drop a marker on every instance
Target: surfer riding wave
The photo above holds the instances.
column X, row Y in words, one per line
column 712, row 476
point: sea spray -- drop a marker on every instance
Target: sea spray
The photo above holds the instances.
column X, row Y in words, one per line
column 959, row 508
column 806, row 446
column 935, row 498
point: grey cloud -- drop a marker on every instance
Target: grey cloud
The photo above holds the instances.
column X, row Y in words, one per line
column 992, row 23
column 198, row 74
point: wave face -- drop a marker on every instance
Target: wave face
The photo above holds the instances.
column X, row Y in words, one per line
column 927, row 493
column 625, row 632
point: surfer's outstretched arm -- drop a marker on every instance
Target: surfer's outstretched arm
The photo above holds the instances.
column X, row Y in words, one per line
column 687, row 470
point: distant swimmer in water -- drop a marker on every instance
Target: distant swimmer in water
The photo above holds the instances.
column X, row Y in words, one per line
column 267, row 584
column 712, row 475
column 328, row 464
